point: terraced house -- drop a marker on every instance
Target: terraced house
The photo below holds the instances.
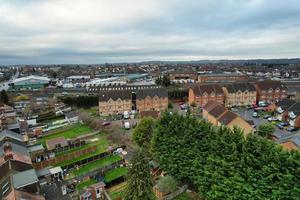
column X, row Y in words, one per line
column 151, row 99
column 218, row 115
column 239, row 94
column 119, row 101
column 202, row 94
column 114, row 102
column 270, row 91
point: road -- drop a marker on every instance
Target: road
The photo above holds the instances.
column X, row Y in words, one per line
column 247, row 114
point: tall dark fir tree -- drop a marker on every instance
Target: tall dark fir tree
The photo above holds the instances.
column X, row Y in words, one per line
column 139, row 180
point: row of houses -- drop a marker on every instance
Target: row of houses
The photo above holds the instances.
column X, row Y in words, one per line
column 193, row 76
column 218, row 115
column 289, row 111
column 120, row 101
column 18, row 179
column 238, row 94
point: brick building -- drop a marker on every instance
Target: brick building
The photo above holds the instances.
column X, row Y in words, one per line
column 270, row 91
column 216, row 78
column 114, row 102
column 218, row 115
column 151, row 99
column 119, row 101
column 239, row 94
column 183, row 76
column 202, row 94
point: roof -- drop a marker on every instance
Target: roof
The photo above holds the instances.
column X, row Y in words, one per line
column 210, row 105
column 79, row 77
column 52, row 142
column 55, row 170
column 183, row 72
column 16, row 148
column 43, row 172
column 98, row 185
column 268, row 84
column 38, row 147
column 199, row 90
column 32, row 79
column 217, row 111
column 285, row 103
column 24, row 178
column 221, row 75
column 70, row 115
column 115, row 95
column 10, row 134
column 243, row 87
column 227, row 117
column 160, row 92
column 295, row 108
column 296, row 140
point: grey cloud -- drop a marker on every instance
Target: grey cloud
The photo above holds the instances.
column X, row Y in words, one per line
column 155, row 29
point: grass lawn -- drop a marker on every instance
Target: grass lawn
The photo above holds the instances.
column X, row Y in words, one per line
column 117, row 191
column 102, row 145
column 115, row 173
column 84, row 184
column 96, row 165
column 73, row 132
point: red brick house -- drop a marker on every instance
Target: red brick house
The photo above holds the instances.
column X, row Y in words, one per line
column 202, row 94
column 270, row 91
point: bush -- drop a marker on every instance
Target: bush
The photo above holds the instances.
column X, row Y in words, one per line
column 167, row 184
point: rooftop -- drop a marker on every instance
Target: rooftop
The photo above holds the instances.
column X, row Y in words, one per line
column 24, row 178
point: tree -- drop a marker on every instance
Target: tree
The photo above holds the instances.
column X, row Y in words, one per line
column 4, row 97
column 166, row 81
column 167, row 184
column 265, row 130
column 170, row 105
column 139, row 181
column 222, row 163
column 142, row 133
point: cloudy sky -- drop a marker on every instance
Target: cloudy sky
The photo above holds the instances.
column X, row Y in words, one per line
column 97, row 31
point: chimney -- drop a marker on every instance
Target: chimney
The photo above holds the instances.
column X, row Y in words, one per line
column 7, row 148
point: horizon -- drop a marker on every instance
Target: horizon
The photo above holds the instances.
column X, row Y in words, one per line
column 61, row 32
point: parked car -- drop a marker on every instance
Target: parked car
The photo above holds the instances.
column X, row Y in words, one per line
column 105, row 123
column 280, row 126
column 291, row 129
column 255, row 114
column 284, row 124
column 234, row 109
column 271, row 119
column 267, row 116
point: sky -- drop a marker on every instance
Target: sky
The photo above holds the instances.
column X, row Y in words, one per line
column 99, row 31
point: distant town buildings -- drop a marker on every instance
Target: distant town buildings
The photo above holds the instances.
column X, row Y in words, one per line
column 187, row 76
column 217, row 78
column 30, row 83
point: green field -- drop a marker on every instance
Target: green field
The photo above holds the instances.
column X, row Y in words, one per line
column 84, row 184
column 73, row 132
column 96, row 165
column 115, row 173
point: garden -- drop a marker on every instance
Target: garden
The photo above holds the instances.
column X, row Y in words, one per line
column 72, row 132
